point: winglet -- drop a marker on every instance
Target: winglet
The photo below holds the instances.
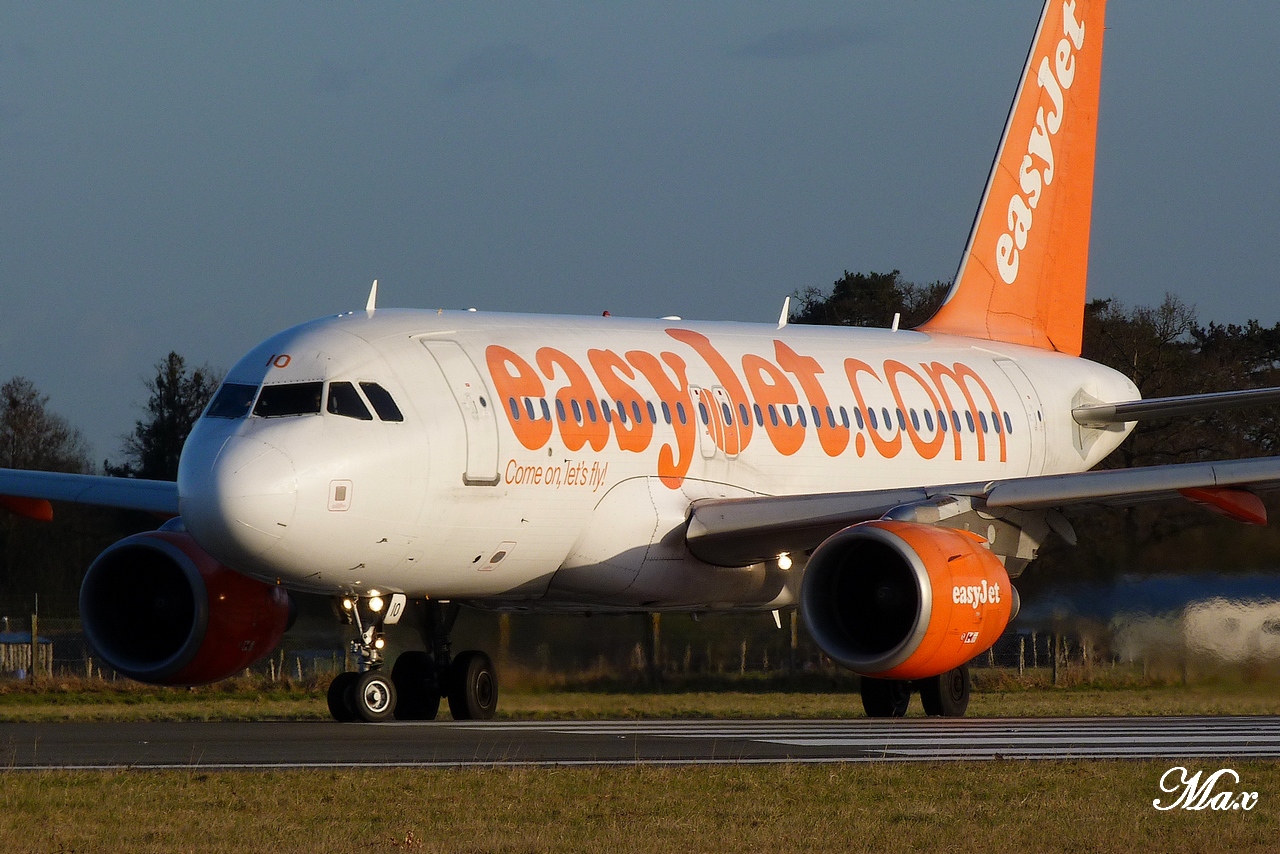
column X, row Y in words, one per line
column 372, row 304
column 1022, row 275
column 786, row 312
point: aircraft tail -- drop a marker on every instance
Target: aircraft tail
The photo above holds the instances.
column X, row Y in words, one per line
column 1022, row 275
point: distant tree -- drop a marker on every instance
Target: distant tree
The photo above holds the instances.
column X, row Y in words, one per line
column 35, row 557
column 870, row 299
column 31, row 437
column 178, row 396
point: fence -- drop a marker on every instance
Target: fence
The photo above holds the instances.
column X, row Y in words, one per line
column 675, row 645
column 15, row 654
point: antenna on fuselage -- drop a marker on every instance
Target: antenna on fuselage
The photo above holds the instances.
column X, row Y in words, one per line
column 786, row 312
column 372, row 303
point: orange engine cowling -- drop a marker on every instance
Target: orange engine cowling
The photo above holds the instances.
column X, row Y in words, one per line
column 901, row 600
column 160, row 610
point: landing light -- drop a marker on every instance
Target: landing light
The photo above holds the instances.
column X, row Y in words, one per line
column 379, row 643
column 347, row 604
column 375, row 604
column 784, row 561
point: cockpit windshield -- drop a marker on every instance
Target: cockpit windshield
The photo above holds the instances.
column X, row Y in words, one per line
column 344, row 400
column 289, row 399
column 382, row 402
column 233, row 400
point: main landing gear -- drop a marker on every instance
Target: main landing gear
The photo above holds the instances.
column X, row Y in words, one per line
column 946, row 695
column 419, row 678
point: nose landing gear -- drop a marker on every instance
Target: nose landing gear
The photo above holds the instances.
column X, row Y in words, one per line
column 367, row 694
column 419, row 678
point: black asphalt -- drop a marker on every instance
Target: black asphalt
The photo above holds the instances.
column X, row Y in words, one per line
column 264, row 745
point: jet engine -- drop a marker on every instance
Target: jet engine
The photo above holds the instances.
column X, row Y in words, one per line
column 902, row 600
column 160, row 610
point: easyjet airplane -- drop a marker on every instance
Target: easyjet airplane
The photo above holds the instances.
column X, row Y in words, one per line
column 889, row 483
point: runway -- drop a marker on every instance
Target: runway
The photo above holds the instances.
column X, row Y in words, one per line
column 446, row 744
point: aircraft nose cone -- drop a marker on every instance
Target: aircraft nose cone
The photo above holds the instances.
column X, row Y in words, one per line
column 245, row 501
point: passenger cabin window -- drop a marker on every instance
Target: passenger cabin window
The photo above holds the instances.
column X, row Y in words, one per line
column 277, row 401
column 383, row 404
column 344, row 400
column 233, row 400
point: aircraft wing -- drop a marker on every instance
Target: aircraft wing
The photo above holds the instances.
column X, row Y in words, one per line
column 27, row 490
column 742, row 531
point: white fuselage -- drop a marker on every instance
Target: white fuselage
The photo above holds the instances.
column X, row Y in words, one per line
column 505, row 480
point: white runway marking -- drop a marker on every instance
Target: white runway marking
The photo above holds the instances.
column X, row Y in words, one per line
column 954, row 739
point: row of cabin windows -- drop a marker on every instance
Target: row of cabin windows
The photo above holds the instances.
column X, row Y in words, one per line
column 586, row 411
column 778, row 414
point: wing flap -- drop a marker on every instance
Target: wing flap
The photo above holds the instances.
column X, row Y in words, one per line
column 1123, row 487
column 742, row 531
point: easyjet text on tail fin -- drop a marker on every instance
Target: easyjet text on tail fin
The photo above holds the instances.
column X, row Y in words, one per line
column 1022, row 275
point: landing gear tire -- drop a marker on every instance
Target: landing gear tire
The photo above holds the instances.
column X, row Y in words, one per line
column 885, row 698
column 473, row 687
column 946, row 695
column 339, row 692
column 372, row 696
column 414, row 676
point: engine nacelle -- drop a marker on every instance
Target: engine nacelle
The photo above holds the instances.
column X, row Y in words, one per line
column 160, row 610
column 901, row 600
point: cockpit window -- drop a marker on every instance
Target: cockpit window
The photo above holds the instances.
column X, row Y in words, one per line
column 382, row 402
column 344, row 400
column 289, row 399
column 233, row 400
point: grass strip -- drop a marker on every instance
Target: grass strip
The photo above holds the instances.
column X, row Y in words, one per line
column 987, row 806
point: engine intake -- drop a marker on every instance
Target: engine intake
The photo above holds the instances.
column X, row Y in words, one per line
column 903, row 600
column 159, row 610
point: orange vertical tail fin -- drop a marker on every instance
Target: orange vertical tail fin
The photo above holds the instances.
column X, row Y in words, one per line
column 1022, row 275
